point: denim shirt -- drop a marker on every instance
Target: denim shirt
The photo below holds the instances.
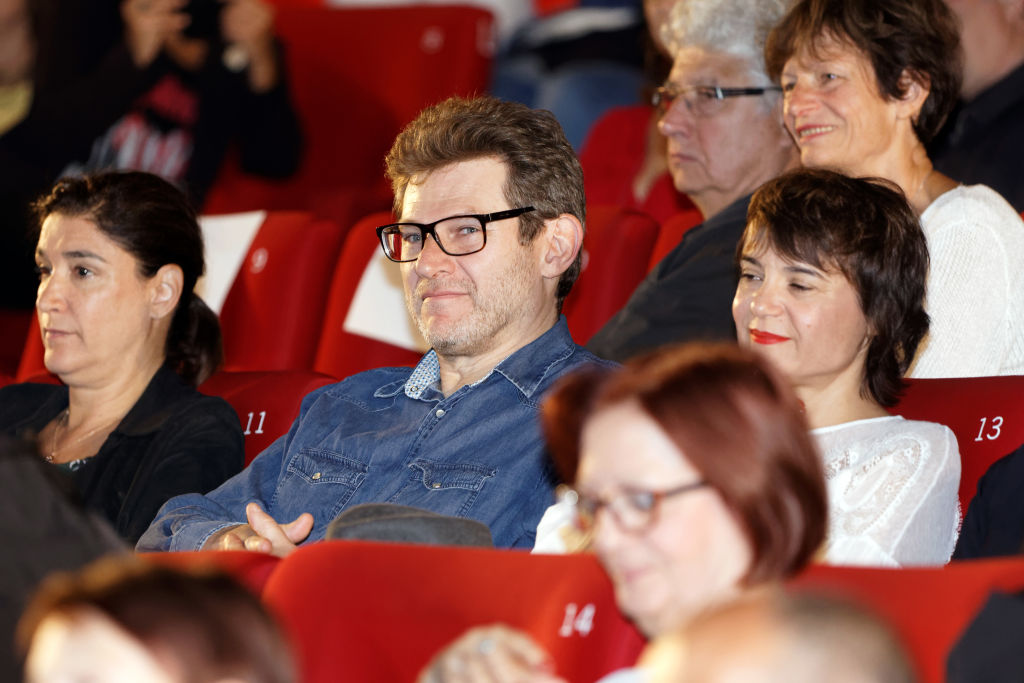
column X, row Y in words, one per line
column 375, row 437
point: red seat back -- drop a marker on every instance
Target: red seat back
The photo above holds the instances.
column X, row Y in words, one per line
column 357, row 76
column 266, row 402
column 342, row 353
column 671, row 233
column 928, row 608
column 612, row 157
column 32, row 364
column 985, row 413
column 250, row 568
column 379, row 612
column 617, row 247
column 273, row 312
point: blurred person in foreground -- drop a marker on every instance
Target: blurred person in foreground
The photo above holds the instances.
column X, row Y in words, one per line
column 781, row 638
column 121, row 619
column 721, row 495
column 721, row 115
column 118, row 257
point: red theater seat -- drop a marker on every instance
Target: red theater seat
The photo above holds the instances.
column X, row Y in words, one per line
column 357, row 76
column 32, row 365
column 985, row 413
column 379, row 612
column 612, row 156
column 273, row 312
column 250, row 568
column 342, row 353
column 929, row 608
column 617, row 248
column 266, row 402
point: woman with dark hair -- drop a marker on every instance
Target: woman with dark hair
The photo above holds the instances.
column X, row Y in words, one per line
column 832, row 283
column 118, row 256
column 866, row 85
column 120, row 619
column 695, row 476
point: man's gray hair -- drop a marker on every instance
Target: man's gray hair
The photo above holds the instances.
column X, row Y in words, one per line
column 735, row 27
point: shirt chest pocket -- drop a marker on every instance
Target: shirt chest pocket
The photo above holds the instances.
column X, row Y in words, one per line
column 321, row 482
column 446, row 488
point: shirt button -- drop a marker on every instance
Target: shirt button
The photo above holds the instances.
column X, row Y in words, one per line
column 316, row 476
column 439, row 412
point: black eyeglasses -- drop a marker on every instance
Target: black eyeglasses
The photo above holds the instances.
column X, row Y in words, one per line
column 634, row 509
column 456, row 235
column 702, row 100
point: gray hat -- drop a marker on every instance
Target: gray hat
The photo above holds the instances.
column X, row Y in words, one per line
column 404, row 524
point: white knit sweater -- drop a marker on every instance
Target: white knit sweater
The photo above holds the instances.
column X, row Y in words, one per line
column 975, row 290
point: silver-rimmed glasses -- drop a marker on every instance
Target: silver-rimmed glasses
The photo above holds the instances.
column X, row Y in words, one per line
column 455, row 235
column 702, row 100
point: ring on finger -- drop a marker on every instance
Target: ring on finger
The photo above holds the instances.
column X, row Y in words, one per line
column 486, row 646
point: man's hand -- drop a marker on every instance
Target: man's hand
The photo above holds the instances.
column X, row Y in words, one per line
column 496, row 653
column 262, row 533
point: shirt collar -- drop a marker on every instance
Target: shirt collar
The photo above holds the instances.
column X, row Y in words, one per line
column 526, row 368
column 426, row 375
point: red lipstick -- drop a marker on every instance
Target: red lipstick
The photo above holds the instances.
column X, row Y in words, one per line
column 760, row 337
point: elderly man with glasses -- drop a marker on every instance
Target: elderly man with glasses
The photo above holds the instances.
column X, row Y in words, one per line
column 722, row 118
column 490, row 206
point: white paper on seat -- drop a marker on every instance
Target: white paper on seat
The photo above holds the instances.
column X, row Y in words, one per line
column 227, row 239
column 378, row 307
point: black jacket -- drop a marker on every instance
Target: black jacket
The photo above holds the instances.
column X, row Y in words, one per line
column 686, row 297
column 174, row 440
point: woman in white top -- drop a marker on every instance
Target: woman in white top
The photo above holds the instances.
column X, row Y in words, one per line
column 699, row 484
column 866, row 84
column 831, row 289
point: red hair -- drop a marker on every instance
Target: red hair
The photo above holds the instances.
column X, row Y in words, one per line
column 736, row 420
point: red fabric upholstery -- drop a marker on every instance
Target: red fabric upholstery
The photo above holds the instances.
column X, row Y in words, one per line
column 32, row 355
column 613, row 154
column 357, row 76
column 342, row 353
column 266, row 402
column 617, row 247
column 272, row 315
column 379, row 612
column 251, row 569
column 929, row 608
column 985, row 413
column 671, row 233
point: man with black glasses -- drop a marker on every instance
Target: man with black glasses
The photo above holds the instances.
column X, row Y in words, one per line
column 490, row 206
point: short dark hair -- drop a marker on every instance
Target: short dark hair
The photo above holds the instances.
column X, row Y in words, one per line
column 154, row 222
column 205, row 620
column 865, row 229
column 739, row 423
column 543, row 170
column 919, row 37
